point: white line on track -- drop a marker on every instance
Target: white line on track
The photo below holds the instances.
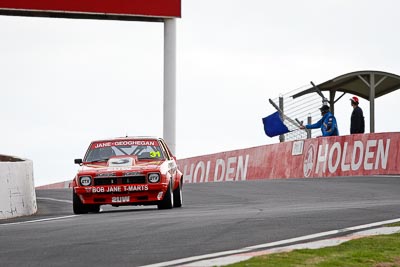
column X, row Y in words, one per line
column 40, row 220
column 179, row 262
column 54, row 199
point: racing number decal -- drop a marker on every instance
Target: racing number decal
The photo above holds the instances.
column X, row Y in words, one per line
column 155, row 154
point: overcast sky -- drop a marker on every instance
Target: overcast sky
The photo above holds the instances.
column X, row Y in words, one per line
column 66, row 82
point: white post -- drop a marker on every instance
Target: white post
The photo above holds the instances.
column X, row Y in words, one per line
column 170, row 83
column 372, row 104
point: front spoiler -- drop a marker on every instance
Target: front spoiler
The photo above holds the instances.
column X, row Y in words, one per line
column 133, row 194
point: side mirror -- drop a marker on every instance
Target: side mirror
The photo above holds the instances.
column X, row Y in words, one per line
column 78, row 161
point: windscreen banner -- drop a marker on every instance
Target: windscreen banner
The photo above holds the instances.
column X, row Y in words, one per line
column 351, row 155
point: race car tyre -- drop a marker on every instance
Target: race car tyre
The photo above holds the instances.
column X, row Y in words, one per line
column 77, row 205
column 168, row 200
column 178, row 198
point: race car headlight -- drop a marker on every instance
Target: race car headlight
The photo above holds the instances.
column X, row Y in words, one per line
column 154, row 178
column 85, row 180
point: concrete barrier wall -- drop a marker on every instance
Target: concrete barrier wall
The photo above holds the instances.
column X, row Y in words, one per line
column 352, row 155
column 17, row 190
column 65, row 184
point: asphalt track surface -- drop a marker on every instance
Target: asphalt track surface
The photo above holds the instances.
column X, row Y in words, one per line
column 215, row 217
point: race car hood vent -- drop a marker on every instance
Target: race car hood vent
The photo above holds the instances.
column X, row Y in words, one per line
column 122, row 161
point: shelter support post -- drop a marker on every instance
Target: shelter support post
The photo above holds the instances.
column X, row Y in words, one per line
column 372, row 85
column 169, row 122
column 332, row 101
column 372, row 104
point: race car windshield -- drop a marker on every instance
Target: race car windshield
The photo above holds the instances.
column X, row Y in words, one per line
column 145, row 150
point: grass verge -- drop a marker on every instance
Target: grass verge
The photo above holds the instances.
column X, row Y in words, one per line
column 374, row 251
column 393, row 224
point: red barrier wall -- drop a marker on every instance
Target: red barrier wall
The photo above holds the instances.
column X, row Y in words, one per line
column 352, row 155
column 65, row 184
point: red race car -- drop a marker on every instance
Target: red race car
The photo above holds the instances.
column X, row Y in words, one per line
column 127, row 171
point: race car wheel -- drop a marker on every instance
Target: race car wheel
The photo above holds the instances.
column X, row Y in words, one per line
column 178, row 200
column 168, row 200
column 77, row 205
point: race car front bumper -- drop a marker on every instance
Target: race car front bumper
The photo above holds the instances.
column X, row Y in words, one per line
column 134, row 194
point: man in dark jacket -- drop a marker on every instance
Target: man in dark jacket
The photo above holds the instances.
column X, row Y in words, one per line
column 357, row 123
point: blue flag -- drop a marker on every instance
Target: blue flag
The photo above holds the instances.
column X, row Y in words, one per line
column 273, row 125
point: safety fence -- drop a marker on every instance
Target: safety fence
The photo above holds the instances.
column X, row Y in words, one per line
column 303, row 109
